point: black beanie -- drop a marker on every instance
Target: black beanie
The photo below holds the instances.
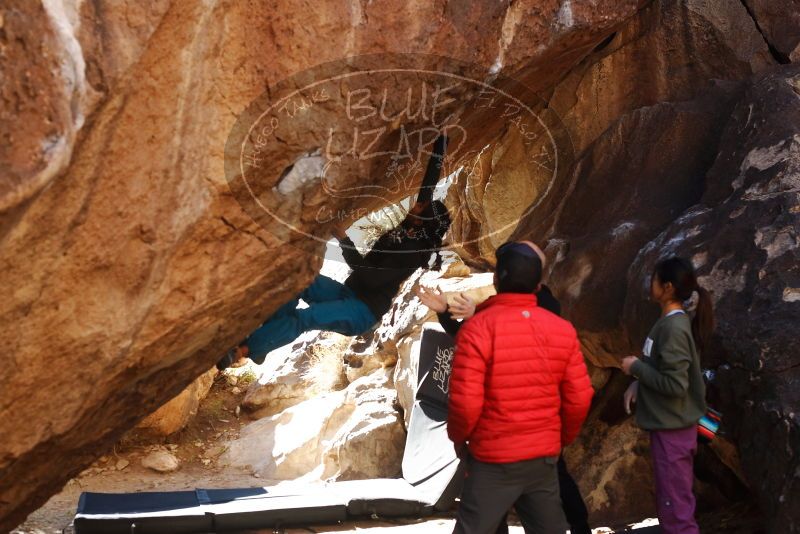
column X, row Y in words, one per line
column 519, row 268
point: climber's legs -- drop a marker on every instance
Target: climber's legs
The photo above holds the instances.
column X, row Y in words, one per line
column 324, row 289
column 332, row 307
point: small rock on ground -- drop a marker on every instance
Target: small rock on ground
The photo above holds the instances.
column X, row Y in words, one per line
column 161, row 461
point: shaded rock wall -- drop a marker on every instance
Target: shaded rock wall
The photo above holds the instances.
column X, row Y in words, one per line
column 744, row 237
column 778, row 21
column 663, row 119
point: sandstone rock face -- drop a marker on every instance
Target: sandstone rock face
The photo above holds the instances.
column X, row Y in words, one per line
column 395, row 343
column 354, row 433
column 123, row 254
column 614, row 472
column 177, row 413
column 491, row 195
column 311, row 366
column 129, row 265
column 478, row 287
column 642, row 70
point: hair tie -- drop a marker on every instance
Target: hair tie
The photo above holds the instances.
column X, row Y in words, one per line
column 690, row 304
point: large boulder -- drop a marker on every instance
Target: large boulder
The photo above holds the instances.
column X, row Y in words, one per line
column 636, row 90
column 395, row 343
column 177, row 413
column 744, row 239
column 477, row 286
column 778, row 21
column 310, row 366
column 705, row 212
column 354, row 433
column 646, row 126
column 128, row 266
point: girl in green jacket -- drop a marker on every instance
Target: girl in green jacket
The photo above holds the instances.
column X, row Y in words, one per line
column 669, row 391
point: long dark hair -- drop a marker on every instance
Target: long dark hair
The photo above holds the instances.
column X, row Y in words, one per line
column 680, row 273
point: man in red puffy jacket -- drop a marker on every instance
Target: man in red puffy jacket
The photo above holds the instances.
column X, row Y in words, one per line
column 519, row 392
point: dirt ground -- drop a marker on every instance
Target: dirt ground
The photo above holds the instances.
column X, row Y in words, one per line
column 200, row 444
column 197, row 447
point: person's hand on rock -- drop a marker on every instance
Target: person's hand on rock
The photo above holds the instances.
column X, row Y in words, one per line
column 433, row 299
column 462, row 307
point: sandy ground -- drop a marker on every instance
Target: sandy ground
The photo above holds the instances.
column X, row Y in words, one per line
column 201, row 442
column 197, row 448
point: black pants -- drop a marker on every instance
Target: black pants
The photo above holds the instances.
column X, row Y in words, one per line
column 571, row 502
column 531, row 486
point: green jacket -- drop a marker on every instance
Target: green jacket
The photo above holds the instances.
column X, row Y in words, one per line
column 672, row 394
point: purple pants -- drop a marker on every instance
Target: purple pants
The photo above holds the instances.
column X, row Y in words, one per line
column 673, row 459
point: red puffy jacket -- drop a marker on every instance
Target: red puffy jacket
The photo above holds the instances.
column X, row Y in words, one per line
column 519, row 387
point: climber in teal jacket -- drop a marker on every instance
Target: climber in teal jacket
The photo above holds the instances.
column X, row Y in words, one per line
column 354, row 307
